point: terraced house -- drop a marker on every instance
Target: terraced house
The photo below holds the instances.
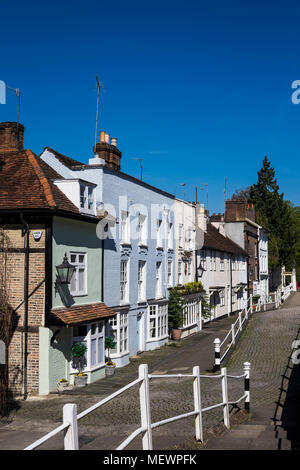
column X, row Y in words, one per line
column 138, row 246
column 47, row 232
column 221, row 266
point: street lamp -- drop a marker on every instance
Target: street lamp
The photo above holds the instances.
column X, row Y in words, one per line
column 65, row 271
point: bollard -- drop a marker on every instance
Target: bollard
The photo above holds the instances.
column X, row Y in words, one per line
column 217, row 344
column 247, row 367
column 225, row 398
column 197, row 404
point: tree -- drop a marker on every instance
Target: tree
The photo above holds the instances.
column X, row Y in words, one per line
column 243, row 194
column 275, row 215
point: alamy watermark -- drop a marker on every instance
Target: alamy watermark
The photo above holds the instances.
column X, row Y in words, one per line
column 2, row 92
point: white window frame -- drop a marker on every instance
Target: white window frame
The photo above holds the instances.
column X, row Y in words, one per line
column 88, row 339
column 124, row 282
column 157, row 322
column 159, row 233
column 119, row 326
column 170, row 234
column 158, row 280
column 87, row 199
column 142, row 229
column 179, row 278
column 191, row 313
column 141, row 281
column 170, row 273
column 124, row 227
column 222, row 261
column 180, row 235
column 79, row 266
column 222, row 297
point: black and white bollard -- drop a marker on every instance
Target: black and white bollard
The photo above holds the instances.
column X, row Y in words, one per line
column 247, row 367
column 217, row 343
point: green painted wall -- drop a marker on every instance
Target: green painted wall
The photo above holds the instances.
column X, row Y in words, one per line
column 72, row 235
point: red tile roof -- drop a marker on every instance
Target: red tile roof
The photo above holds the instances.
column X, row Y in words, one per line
column 25, row 183
column 82, row 313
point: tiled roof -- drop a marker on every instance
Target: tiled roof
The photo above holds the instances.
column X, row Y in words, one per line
column 67, row 161
column 82, row 313
column 25, row 183
column 214, row 240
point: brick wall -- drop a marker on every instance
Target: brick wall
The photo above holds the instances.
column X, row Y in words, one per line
column 36, row 308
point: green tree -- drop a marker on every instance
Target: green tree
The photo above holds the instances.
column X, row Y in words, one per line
column 275, row 215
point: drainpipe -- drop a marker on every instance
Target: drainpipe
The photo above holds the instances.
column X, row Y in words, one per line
column 26, row 232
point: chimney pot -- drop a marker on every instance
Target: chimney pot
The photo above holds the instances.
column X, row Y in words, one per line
column 113, row 141
column 102, row 136
column 107, row 138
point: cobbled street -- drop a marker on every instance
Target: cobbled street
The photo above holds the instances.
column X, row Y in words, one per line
column 266, row 343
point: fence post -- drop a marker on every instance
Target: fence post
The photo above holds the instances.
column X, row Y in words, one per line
column 197, row 404
column 217, row 343
column 71, row 433
column 247, row 367
column 225, row 397
column 232, row 334
column 251, row 304
column 145, row 407
column 240, row 320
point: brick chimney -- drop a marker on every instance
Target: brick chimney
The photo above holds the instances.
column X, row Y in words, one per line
column 238, row 210
column 11, row 137
column 108, row 151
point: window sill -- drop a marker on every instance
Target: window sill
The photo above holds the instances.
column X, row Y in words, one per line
column 85, row 294
column 143, row 245
column 152, row 340
column 126, row 243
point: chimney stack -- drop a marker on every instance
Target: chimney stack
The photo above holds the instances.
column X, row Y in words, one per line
column 11, row 137
column 108, row 151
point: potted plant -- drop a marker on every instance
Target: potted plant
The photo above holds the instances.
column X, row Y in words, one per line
column 78, row 352
column 109, row 365
column 175, row 312
column 63, row 385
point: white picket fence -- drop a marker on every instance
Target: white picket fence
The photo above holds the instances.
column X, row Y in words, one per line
column 71, row 418
column 223, row 347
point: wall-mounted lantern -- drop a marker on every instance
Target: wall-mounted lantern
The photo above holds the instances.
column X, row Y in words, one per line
column 65, row 271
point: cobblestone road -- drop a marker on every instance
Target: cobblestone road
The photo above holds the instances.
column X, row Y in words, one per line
column 266, row 343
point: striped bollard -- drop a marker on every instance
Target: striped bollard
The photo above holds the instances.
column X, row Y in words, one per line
column 247, row 367
column 217, row 343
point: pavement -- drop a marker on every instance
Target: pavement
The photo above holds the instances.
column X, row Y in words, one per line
column 266, row 343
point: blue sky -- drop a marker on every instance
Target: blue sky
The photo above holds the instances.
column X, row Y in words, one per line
column 199, row 90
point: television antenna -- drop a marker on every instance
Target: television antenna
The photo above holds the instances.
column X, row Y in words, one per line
column 18, row 95
column 140, row 160
column 184, row 193
column 99, row 86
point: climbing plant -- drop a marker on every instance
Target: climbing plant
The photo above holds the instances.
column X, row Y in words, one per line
column 5, row 320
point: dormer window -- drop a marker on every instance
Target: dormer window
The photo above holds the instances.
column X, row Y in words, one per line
column 86, row 198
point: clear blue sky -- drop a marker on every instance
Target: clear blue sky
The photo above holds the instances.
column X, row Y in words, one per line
column 200, row 90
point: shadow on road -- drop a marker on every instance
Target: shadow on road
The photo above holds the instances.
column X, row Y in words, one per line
column 287, row 411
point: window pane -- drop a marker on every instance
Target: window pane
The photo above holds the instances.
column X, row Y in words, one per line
column 100, row 350
column 81, row 280
column 93, row 352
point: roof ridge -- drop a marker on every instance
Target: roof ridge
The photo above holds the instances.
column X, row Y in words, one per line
column 42, row 178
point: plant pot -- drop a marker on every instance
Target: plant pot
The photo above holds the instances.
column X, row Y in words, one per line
column 176, row 334
column 63, row 386
column 80, row 380
column 109, row 370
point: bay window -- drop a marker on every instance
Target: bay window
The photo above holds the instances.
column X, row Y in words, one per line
column 119, row 330
column 158, row 321
column 92, row 335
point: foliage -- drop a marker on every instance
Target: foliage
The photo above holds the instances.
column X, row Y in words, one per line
column 78, row 351
column 110, row 344
column 276, row 215
column 243, row 194
column 175, row 308
column 6, row 319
